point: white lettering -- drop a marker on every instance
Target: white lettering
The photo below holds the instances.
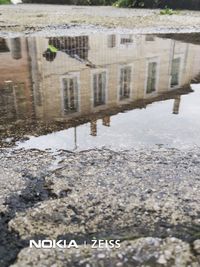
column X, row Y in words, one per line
column 72, row 244
column 47, row 244
column 35, row 244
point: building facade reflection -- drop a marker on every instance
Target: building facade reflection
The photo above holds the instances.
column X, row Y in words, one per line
column 68, row 78
column 15, row 79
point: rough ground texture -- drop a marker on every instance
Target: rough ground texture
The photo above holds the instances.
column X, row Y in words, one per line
column 149, row 199
column 31, row 18
column 130, row 195
column 141, row 252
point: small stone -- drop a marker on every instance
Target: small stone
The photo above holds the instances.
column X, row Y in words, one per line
column 120, row 256
column 148, row 191
column 168, row 254
column 162, row 260
column 101, row 256
column 196, row 246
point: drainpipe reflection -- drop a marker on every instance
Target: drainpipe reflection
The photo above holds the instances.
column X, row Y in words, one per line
column 15, row 48
column 176, row 106
column 93, row 128
column 75, row 139
column 106, row 121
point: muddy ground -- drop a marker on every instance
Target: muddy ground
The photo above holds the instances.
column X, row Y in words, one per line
column 32, row 18
column 149, row 199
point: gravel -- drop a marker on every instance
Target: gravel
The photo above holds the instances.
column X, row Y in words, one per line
column 129, row 195
column 141, row 252
column 30, row 19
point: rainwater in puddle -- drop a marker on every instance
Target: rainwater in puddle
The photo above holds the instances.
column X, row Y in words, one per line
column 115, row 91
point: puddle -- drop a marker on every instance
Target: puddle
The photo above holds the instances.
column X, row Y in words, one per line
column 118, row 91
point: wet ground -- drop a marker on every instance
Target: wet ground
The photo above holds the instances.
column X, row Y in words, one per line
column 157, row 124
column 93, row 92
column 99, row 138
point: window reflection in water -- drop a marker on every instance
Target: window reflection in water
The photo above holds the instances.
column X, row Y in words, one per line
column 70, row 94
column 125, row 82
column 175, row 72
column 99, row 88
column 151, row 78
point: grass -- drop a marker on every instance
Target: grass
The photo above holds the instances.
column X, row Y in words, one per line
column 168, row 11
column 3, row 2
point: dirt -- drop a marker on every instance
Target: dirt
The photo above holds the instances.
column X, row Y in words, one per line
column 33, row 18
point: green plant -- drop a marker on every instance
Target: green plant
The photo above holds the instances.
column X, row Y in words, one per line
column 168, row 11
column 3, row 2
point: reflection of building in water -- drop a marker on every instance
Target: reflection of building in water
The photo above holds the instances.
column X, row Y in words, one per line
column 86, row 75
column 128, row 68
column 15, row 85
column 76, row 47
